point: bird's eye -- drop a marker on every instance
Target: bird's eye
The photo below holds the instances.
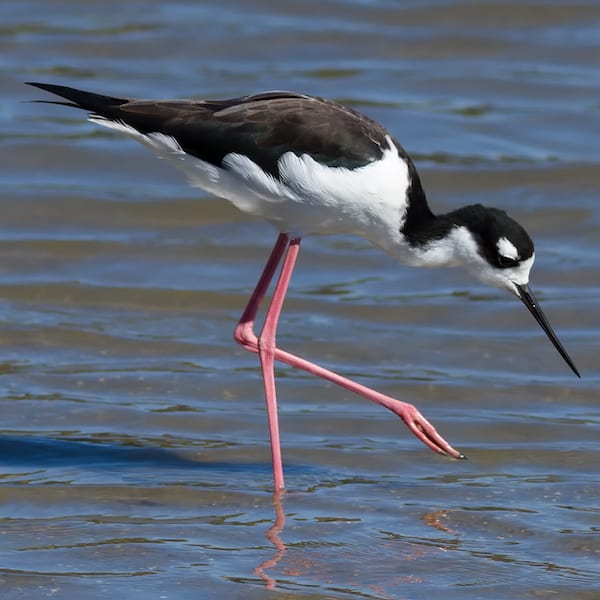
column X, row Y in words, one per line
column 505, row 262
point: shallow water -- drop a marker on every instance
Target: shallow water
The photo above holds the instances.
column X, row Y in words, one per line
column 134, row 441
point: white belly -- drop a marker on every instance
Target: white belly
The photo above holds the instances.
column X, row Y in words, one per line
column 308, row 198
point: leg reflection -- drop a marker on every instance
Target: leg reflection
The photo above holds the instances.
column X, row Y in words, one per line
column 273, row 535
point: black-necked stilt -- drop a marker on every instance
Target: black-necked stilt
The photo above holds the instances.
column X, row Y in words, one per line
column 312, row 166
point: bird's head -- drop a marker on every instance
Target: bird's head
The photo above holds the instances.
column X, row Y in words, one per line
column 497, row 251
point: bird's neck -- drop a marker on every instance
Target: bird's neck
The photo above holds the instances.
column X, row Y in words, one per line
column 430, row 240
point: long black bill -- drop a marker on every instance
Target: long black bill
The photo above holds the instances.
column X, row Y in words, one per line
column 526, row 295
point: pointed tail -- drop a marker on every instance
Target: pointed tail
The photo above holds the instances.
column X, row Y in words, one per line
column 96, row 103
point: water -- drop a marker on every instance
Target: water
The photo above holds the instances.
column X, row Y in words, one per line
column 135, row 460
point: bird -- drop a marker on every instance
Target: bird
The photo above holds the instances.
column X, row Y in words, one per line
column 312, row 166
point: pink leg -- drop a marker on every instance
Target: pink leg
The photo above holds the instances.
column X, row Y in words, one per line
column 268, row 352
column 244, row 332
column 413, row 419
column 265, row 343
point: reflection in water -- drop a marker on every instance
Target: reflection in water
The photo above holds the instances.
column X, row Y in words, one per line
column 412, row 549
column 273, row 535
column 434, row 519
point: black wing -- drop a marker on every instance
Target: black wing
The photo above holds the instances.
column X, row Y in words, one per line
column 261, row 126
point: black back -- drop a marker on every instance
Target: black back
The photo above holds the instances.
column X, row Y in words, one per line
column 260, row 126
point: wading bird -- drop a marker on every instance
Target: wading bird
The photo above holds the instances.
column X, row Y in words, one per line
column 309, row 166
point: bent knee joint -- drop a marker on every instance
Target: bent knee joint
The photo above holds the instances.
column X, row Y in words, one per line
column 245, row 337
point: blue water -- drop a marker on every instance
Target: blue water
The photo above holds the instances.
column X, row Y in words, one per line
column 134, row 441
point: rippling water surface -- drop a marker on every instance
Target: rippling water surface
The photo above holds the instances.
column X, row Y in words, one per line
column 135, row 458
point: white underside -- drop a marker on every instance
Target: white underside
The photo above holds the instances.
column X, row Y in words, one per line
column 309, row 198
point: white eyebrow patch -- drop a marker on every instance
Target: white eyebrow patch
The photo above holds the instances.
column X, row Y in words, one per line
column 507, row 249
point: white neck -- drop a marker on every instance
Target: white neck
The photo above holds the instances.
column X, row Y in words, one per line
column 459, row 248
column 451, row 250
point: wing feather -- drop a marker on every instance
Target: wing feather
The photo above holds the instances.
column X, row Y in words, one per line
column 262, row 126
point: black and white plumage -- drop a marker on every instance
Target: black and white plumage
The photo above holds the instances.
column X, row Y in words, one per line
column 312, row 166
